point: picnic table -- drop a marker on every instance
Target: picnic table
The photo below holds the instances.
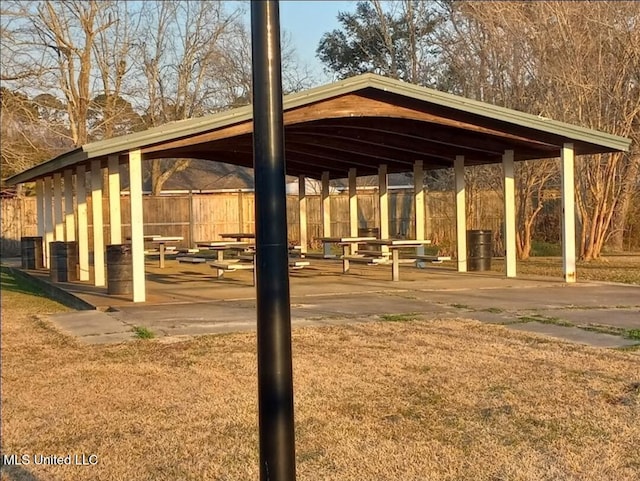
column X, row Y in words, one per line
column 162, row 242
column 221, row 246
column 349, row 244
column 238, row 236
column 394, row 245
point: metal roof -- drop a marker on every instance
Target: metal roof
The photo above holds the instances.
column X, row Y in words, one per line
column 360, row 122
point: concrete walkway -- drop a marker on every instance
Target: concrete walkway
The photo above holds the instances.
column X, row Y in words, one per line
column 190, row 300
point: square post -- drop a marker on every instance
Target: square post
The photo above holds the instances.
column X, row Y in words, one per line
column 418, row 198
column 115, row 218
column 568, row 214
column 326, row 211
column 83, row 222
column 509, row 213
column 69, row 216
column 48, row 218
column 40, row 215
column 302, row 204
column 137, row 223
column 353, row 208
column 58, row 220
column 383, row 200
column 98, row 224
column 461, row 216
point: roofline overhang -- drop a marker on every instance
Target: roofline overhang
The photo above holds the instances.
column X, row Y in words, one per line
column 185, row 128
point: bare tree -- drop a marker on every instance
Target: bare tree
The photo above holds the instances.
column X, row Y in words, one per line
column 589, row 73
column 565, row 62
column 180, row 48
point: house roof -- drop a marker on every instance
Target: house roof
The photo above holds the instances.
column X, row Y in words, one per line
column 361, row 122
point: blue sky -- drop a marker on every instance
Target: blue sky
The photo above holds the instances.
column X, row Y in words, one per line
column 306, row 21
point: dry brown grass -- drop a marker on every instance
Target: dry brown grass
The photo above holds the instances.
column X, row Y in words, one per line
column 621, row 268
column 410, row 401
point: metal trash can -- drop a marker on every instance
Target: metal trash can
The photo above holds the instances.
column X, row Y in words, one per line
column 370, row 232
column 119, row 269
column 479, row 250
column 63, row 261
column 31, row 252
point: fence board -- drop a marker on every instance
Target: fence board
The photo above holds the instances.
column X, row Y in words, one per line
column 206, row 216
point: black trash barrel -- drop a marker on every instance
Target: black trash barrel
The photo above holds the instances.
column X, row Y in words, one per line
column 31, row 252
column 368, row 232
column 63, row 261
column 57, row 265
column 479, row 250
column 119, row 269
column 73, row 260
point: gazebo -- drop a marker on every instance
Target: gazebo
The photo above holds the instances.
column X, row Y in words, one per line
column 364, row 125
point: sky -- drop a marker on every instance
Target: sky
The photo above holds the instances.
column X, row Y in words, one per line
column 306, row 21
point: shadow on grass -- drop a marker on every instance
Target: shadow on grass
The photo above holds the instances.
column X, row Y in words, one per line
column 11, row 283
column 15, row 472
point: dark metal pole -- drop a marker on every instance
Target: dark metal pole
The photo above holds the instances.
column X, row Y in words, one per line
column 275, row 372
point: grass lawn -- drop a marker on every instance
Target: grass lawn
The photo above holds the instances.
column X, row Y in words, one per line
column 624, row 269
column 401, row 400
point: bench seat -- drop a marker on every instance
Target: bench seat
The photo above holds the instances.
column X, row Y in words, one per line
column 319, row 255
column 294, row 262
column 365, row 260
column 433, row 259
column 191, row 260
column 373, row 253
column 184, row 250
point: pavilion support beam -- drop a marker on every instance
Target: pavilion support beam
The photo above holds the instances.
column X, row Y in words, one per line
column 353, row 204
column 137, row 231
column 509, row 213
column 98, row 224
column 48, row 218
column 58, row 220
column 353, row 208
column 83, row 223
column 302, row 204
column 115, row 218
column 69, row 215
column 461, row 216
column 568, row 214
column 325, row 211
column 418, row 198
column 40, row 213
column 383, row 200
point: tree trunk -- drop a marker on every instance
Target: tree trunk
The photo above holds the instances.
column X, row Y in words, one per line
column 621, row 216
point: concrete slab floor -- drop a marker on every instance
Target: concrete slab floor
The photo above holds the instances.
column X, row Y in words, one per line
column 190, row 300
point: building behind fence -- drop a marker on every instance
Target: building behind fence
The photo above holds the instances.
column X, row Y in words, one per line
column 203, row 217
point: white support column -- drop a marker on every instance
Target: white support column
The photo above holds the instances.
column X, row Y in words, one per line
column 58, row 220
column 137, row 220
column 353, row 208
column 461, row 216
column 325, row 209
column 383, row 200
column 69, row 218
column 509, row 213
column 568, row 214
column 302, row 204
column 40, row 213
column 48, row 218
column 418, row 198
column 115, row 219
column 353, row 204
column 98, row 225
column 83, row 223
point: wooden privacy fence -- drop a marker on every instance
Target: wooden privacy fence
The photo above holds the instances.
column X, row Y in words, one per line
column 201, row 217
